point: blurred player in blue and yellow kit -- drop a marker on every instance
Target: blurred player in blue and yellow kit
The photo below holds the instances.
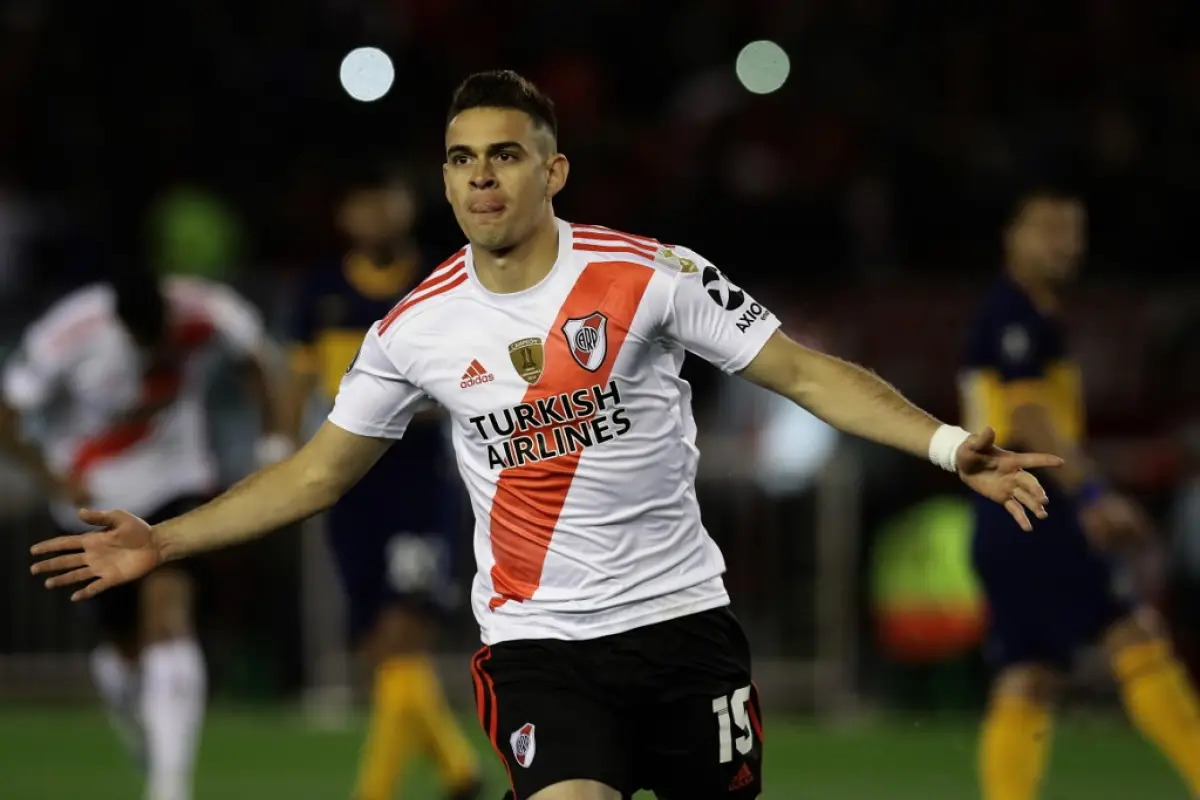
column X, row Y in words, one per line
column 391, row 534
column 1051, row 592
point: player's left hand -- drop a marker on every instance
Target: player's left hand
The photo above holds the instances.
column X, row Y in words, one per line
column 1001, row 475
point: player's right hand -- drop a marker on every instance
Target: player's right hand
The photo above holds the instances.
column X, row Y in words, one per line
column 1113, row 521
column 122, row 552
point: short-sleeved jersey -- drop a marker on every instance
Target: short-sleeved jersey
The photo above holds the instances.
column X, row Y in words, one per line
column 131, row 428
column 1017, row 354
column 572, row 428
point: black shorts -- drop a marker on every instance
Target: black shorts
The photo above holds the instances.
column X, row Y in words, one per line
column 118, row 610
column 669, row 708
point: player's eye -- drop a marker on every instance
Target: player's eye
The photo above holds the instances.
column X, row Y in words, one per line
column 458, row 159
column 506, row 156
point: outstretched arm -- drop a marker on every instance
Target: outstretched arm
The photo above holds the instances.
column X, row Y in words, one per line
column 282, row 494
column 859, row 402
column 847, row 396
column 373, row 408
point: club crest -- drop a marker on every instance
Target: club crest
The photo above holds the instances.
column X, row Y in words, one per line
column 524, row 745
column 587, row 339
column 528, row 358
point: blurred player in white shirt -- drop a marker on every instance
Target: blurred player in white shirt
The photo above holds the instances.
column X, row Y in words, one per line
column 112, row 379
column 611, row 660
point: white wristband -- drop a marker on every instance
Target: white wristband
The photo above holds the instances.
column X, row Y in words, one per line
column 272, row 448
column 943, row 447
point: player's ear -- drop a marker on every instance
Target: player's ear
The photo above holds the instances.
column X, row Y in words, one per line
column 446, row 181
column 557, row 170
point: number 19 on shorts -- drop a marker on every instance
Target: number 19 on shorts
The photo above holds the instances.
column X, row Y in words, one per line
column 733, row 712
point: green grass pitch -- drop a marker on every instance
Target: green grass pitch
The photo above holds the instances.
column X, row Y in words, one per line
column 53, row 753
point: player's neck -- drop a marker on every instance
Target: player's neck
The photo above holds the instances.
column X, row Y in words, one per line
column 521, row 266
column 1042, row 292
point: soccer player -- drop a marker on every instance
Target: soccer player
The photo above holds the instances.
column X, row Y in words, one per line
column 611, row 660
column 390, row 533
column 112, row 371
column 1051, row 593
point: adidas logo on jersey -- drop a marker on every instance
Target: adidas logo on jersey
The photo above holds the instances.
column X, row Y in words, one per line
column 476, row 375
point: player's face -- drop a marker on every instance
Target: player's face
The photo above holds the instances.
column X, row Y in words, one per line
column 1050, row 236
column 501, row 173
column 376, row 216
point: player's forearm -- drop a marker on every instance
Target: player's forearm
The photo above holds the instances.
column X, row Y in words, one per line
column 1034, row 429
column 859, row 402
column 272, row 498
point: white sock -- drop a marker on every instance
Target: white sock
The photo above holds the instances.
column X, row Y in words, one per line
column 118, row 682
column 173, row 695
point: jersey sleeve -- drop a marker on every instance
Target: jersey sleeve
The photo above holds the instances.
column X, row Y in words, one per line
column 374, row 398
column 714, row 318
column 34, row 371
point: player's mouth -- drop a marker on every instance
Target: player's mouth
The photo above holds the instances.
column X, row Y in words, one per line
column 486, row 209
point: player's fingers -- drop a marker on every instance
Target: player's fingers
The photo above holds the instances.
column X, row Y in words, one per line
column 984, row 439
column 1037, row 461
column 58, row 545
column 1032, row 485
column 1030, row 501
column 68, row 578
column 100, row 519
column 59, row 564
column 94, row 588
column 1018, row 513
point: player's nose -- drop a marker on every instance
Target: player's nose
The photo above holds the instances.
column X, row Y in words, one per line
column 483, row 179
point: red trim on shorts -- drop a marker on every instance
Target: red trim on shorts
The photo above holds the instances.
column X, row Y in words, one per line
column 756, row 711
column 488, row 707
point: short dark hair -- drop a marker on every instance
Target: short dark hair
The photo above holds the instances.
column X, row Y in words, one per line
column 1052, row 191
column 140, row 304
column 504, row 89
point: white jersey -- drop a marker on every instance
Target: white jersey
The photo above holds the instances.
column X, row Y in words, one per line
column 134, row 433
column 572, row 428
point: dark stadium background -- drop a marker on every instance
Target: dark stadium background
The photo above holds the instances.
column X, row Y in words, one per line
column 862, row 200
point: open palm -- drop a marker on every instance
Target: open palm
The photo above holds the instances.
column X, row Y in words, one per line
column 122, row 552
column 1000, row 475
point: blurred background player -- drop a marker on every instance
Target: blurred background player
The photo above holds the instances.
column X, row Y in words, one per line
column 390, row 535
column 1051, row 593
column 112, row 377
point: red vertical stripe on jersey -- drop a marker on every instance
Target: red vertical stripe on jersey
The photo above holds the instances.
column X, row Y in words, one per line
column 529, row 498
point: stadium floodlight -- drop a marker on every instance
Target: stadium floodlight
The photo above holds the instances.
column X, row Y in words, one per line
column 367, row 74
column 763, row 67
